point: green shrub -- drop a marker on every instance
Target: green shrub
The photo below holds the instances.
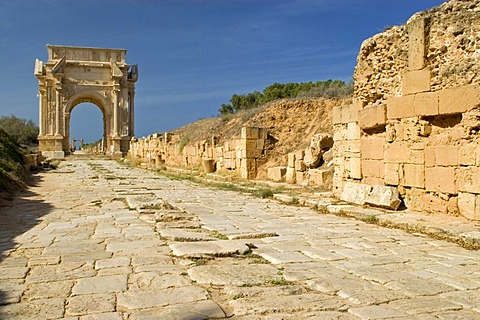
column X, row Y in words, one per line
column 22, row 131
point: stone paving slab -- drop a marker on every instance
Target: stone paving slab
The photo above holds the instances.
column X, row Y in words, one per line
column 218, row 248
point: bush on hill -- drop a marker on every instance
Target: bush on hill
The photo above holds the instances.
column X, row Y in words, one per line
column 23, row 131
column 320, row 89
column 12, row 171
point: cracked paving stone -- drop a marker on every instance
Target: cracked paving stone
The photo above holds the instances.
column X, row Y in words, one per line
column 36, row 309
column 219, row 248
column 376, row 312
column 91, row 303
column 100, row 284
column 200, row 310
column 132, row 300
column 153, row 280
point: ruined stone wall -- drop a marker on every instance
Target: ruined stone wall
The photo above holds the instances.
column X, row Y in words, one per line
column 239, row 156
column 415, row 120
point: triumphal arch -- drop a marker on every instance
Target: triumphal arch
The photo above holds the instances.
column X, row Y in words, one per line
column 73, row 75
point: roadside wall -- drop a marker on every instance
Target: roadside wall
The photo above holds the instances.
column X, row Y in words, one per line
column 239, row 156
column 415, row 120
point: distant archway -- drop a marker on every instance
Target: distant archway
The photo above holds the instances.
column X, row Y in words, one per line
column 86, row 125
column 73, row 75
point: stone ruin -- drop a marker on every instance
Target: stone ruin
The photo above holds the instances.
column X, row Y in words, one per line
column 415, row 121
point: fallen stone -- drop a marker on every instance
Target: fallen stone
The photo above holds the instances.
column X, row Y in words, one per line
column 355, row 192
column 219, row 248
column 312, row 158
column 384, row 197
column 236, row 275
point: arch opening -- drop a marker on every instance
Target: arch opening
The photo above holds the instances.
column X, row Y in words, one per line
column 87, row 128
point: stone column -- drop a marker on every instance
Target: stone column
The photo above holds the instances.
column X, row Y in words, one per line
column 58, row 101
column 115, row 112
column 41, row 120
column 131, row 106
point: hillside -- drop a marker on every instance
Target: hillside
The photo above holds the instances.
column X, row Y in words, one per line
column 12, row 171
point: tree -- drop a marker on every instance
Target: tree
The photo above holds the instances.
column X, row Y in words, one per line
column 21, row 130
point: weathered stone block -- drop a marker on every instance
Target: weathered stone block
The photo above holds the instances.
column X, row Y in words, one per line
column 290, row 175
column 458, row 100
column 397, row 152
column 426, row 104
column 416, row 43
column 349, row 113
column 446, row 155
column 337, row 115
column 299, row 165
column 355, row 168
column 277, row 173
column 248, row 148
column 468, row 179
column 416, row 81
column 430, row 156
column 373, row 168
column 392, row 176
column 467, row 205
column 384, row 197
column 249, row 133
column 248, row 168
column 355, row 192
column 353, row 131
column 417, row 156
column 413, row 175
column 467, row 154
column 300, row 176
column 372, row 148
column 372, row 117
column 400, row 107
column 440, row 179
column 291, row 160
column 320, row 177
column 300, row 154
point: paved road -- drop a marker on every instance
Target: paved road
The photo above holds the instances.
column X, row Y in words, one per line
column 96, row 240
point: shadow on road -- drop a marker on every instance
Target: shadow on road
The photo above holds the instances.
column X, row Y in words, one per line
column 17, row 215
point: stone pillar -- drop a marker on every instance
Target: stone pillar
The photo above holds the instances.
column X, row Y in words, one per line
column 41, row 121
column 131, row 106
column 115, row 113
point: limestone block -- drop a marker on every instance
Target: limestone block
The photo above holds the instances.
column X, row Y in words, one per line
column 277, row 173
column 299, row 165
column 349, row 113
column 208, row 165
column 339, row 132
column 446, row 155
column 400, row 107
column 260, row 144
column 417, row 157
column 372, row 148
column 372, row 117
column 440, row 179
column 353, row 131
column 300, row 176
column 430, row 156
column 290, row 175
column 467, row 205
column 312, row 158
column 397, row 152
column 413, row 175
column 320, row 177
column 458, row 100
column 373, row 168
column 249, row 133
column 384, row 197
column 355, row 192
column 299, row 154
column 248, row 148
column 248, row 168
column 416, row 43
column 355, row 168
column 467, row 154
column 468, row 179
column 337, row 115
column 373, row 181
column 416, row 81
column 353, row 147
column 291, row 160
column 322, row 141
column 432, row 203
column 392, row 176
column 426, row 104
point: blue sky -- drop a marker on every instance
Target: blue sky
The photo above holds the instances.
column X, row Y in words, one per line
column 192, row 54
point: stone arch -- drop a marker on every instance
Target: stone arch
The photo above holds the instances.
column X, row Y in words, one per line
column 98, row 100
column 73, row 75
